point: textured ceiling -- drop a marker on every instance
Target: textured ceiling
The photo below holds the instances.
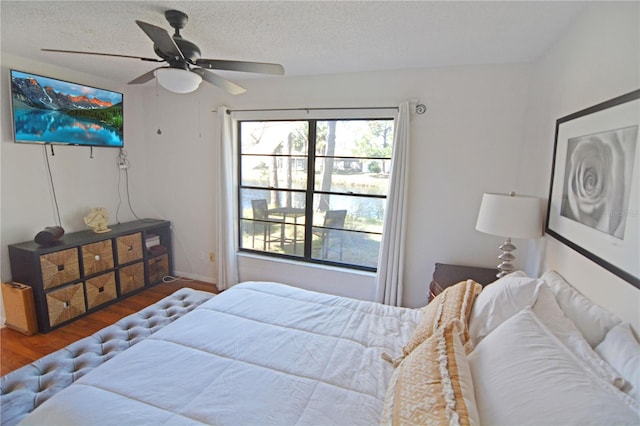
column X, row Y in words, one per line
column 307, row 37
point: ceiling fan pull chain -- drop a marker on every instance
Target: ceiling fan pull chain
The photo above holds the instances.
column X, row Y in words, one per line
column 159, row 132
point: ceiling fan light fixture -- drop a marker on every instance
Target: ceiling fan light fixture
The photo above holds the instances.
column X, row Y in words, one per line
column 180, row 55
column 178, row 80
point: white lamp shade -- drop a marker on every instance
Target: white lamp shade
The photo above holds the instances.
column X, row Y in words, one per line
column 178, row 80
column 511, row 216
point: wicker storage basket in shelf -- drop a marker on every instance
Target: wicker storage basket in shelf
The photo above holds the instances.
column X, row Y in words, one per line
column 97, row 257
column 131, row 277
column 59, row 268
column 158, row 268
column 129, row 248
column 65, row 303
column 101, row 289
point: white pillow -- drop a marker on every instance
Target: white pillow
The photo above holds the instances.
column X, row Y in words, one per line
column 592, row 320
column 523, row 375
column 621, row 349
column 547, row 310
column 500, row 301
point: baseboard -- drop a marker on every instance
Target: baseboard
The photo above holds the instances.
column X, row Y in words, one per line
column 195, row 277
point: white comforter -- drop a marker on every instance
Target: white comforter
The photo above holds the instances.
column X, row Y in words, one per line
column 257, row 354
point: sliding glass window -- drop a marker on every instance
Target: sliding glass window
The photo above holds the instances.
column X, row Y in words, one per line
column 314, row 190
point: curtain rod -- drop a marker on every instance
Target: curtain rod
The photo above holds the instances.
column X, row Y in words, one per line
column 229, row 111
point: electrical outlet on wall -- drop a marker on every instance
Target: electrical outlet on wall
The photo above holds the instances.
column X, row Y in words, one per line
column 123, row 163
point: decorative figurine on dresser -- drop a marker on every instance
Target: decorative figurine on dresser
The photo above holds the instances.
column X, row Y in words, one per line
column 97, row 220
column 85, row 271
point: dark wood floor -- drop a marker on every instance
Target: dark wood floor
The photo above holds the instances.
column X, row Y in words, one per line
column 17, row 349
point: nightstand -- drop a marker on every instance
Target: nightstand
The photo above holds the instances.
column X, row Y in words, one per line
column 446, row 275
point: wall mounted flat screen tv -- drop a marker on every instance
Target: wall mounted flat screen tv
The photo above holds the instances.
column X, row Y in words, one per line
column 47, row 110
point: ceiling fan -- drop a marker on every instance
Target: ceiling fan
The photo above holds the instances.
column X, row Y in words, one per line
column 185, row 70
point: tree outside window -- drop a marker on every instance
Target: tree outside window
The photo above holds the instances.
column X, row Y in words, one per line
column 324, row 184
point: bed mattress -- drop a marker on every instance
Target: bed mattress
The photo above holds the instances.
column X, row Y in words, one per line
column 258, row 353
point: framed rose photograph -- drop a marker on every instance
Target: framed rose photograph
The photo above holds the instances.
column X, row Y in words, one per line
column 594, row 199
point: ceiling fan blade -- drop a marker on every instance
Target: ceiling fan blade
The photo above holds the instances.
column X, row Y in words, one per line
column 103, row 54
column 259, row 67
column 161, row 38
column 145, row 77
column 216, row 80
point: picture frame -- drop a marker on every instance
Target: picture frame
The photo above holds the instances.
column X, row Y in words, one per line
column 594, row 195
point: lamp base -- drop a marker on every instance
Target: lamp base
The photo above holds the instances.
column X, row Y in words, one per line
column 506, row 257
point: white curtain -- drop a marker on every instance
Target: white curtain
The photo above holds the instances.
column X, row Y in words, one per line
column 227, row 216
column 389, row 280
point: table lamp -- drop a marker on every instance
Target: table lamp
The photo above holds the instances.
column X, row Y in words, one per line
column 509, row 216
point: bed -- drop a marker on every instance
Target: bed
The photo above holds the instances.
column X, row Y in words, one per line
column 520, row 351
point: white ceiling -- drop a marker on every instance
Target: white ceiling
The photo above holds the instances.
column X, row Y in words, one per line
column 307, row 37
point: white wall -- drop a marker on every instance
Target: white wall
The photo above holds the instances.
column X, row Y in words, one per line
column 596, row 60
column 182, row 174
column 465, row 144
column 81, row 182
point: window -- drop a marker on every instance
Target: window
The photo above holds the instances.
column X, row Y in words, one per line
column 314, row 190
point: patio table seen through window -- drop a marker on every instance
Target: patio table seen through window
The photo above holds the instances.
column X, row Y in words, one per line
column 314, row 190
